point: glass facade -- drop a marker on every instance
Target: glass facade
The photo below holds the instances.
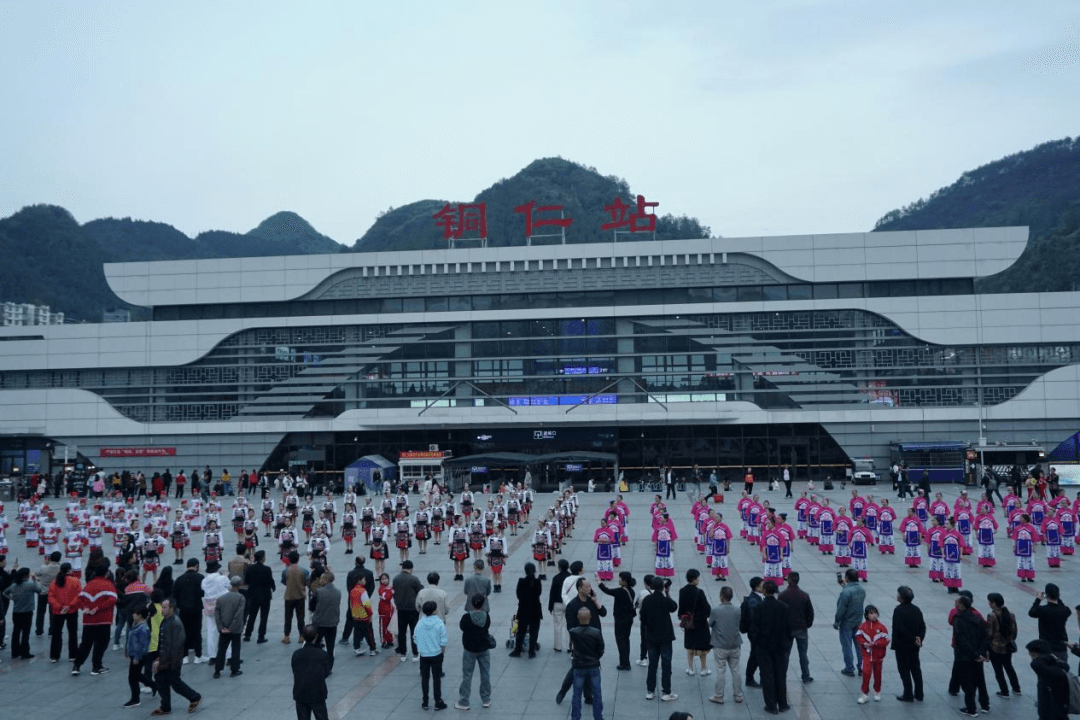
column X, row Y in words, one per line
column 730, row 449
column 776, row 360
column 586, row 298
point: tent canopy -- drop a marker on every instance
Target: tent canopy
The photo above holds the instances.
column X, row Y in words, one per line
column 363, row 471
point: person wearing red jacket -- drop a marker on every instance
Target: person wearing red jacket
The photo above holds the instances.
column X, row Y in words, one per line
column 63, row 607
column 97, row 600
column 873, row 639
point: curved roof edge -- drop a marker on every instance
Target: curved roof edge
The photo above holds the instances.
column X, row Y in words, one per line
column 910, row 254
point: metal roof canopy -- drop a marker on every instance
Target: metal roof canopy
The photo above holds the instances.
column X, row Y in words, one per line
column 526, row 459
column 931, row 446
column 1010, row 447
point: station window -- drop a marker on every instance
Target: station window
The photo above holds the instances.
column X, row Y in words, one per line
column 825, row 291
column 799, row 292
column 749, row 293
column 774, row 292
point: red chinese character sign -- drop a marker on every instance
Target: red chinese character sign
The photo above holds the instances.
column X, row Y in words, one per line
column 530, row 207
column 637, row 221
column 466, row 221
column 456, row 220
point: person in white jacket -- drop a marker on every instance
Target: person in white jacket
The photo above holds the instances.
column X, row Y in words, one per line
column 214, row 585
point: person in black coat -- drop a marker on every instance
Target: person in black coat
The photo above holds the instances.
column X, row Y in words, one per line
column 1053, row 618
column 972, row 646
column 585, row 598
column 1053, row 681
column 771, row 629
column 529, row 611
column 655, row 617
column 311, row 667
column 745, row 615
column 260, row 583
column 697, row 638
column 908, row 631
column 187, row 589
column 623, row 613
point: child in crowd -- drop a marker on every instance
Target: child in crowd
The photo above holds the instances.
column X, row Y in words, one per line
column 872, row 638
column 386, row 610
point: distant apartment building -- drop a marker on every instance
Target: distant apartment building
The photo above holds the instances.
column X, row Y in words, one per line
column 29, row 314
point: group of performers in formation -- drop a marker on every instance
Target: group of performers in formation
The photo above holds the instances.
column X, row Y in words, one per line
column 848, row 532
column 140, row 532
column 553, row 528
column 143, row 532
column 471, row 527
column 474, row 528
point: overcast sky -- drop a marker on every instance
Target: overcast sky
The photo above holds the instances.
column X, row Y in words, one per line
column 758, row 118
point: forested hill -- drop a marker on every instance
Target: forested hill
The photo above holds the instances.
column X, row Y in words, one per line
column 1039, row 188
column 59, row 263
column 51, row 259
column 583, row 192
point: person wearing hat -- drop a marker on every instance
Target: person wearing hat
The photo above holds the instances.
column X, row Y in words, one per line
column 229, row 619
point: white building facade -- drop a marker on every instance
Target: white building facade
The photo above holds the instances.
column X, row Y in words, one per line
column 733, row 352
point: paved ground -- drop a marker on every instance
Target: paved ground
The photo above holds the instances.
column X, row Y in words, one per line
column 382, row 687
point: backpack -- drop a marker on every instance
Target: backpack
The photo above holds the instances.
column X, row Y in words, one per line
column 1074, row 694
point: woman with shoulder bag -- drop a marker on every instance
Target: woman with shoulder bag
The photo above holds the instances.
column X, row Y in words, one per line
column 624, row 613
column 1002, row 630
column 694, row 612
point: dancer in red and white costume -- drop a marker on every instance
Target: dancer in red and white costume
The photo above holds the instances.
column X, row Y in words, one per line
column 720, row 537
column 496, row 557
column 151, row 545
column 861, row 540
column 403, row 532
column 348, row 527
column 603, row 539
column 51, row 533
column 367, row 519
column 772, row 552
column 985, row 528
column 663, row 538
column 74, row 544
column 179, row 537
column 211, row 546
column 422, row 527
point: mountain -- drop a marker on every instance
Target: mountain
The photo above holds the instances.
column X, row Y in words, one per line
column 284, row 233
column 130, row 240
column 52, row 262
column 1039, row 188
column 583, row 192
column 60, row 261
